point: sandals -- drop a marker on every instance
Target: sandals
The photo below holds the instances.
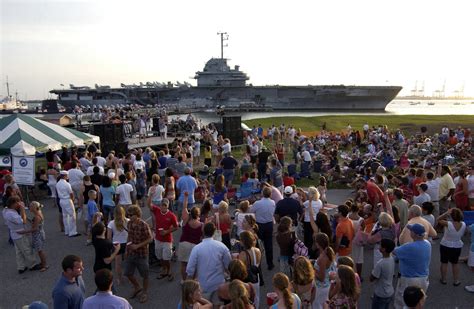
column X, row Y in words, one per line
column 161, row 276
column 44, row 268
column 143, row 298
column 443, row 281
column 170, row 277
column 135, row 293
column 456, row 283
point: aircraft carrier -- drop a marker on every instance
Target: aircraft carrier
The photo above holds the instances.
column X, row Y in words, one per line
column 220, row 85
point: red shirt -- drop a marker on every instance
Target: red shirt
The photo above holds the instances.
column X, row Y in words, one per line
column 288, row 181
column 374, row 194
column 165, row 222
column 414, row 186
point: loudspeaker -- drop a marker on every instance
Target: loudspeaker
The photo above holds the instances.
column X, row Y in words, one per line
column 231, row 123
column 109, row 132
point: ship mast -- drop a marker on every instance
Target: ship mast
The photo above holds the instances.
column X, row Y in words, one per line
column 8, row 88
column 224, row 37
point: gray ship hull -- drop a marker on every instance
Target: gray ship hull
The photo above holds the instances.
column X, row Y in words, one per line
column 275, row 97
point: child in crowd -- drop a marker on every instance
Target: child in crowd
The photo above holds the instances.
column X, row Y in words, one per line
column 208, row 156
column 322, row 188
column 382, row 274
column 91, row 211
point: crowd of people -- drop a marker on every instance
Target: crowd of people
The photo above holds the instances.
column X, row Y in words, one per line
column 408, row 192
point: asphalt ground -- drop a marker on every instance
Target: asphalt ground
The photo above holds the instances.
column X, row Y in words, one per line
column 17, row 290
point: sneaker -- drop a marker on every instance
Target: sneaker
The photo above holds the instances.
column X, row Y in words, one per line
column 36, row 267
column 20, row 271
column 469, row 288
column 88, row 242
column 75, row 235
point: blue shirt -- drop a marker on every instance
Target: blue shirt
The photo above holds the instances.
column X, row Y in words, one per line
column 414, row 258
column 208, row 262
column 91, row 210
column 68, row 295
column 106, row 300
column 264, row 209
column 471, row 228
column 188, row 184
column 107, row 195
column 218, row 196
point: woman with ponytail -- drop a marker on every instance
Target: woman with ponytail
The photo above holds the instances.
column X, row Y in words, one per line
column 303, row 281
column 323, row 266
column 286, row 299
column 239, row 296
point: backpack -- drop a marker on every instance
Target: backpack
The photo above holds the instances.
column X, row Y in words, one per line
column 252, row 271
column 299, row 248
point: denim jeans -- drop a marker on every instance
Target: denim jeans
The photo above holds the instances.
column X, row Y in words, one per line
column 381, row 302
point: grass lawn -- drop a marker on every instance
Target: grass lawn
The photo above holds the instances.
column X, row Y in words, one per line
column 407, row 123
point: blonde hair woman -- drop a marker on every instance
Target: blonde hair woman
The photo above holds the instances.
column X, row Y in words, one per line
column 251, row 256
column 239, row 296
column 191, row 296
column 37, row 233
column 303, row 281
column 315, row 203
column 286, row 299
column 384, row 228
column 118, row 233
column 223, row 222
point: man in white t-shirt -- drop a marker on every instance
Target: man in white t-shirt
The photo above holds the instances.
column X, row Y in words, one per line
column 197, row 151
column 100, row 159
column 433, row 191
column 124, row 192
column 226, row 148
column 75, row 179
column 90, row 169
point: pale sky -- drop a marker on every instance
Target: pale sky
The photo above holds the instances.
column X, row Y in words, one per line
column 46, row 43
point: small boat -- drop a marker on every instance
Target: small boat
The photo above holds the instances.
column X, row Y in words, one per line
column 457, row 103
column 431, row 103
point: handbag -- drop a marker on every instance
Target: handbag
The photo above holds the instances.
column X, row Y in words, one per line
column 252, row 270
column 217, row 233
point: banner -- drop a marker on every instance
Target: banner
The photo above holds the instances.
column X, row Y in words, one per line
column 5, row 161
column 24, row 170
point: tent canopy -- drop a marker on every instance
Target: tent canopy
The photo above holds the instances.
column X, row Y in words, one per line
column 23, row 135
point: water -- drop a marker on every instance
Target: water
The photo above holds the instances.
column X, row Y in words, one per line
column 396, row 107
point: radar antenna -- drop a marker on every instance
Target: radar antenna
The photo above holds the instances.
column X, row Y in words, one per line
column 224, row 37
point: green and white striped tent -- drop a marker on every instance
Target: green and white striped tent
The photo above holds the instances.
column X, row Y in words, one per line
column 23, row 135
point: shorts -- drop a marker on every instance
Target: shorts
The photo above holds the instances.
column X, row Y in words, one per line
column 184, row 251
column 163, row 250
column 229, row 175
column 142, row 131
column 470, row 260
column 140, row 262
column 253, row 159
column 448, row 254
column 207, row 162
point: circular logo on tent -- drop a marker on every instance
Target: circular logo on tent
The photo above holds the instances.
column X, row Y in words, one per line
column 23, row 162
column 6, row 160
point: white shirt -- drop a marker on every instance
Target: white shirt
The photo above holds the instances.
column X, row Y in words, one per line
column 306, row 156
column 421, row 198
column 470, row 185
column 226, row 148
column 316, row 205
column 105, row 300
column 14, row 222
column 119, row 236
column 197, row 149
column 139, row 165
column 124, row 191
column 64, row 189
column 433, row 189
column 75, row 177
column 90, row 170
column 101, row 161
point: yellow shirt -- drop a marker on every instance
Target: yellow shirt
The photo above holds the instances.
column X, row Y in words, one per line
column 446, row 183
column 207, row 154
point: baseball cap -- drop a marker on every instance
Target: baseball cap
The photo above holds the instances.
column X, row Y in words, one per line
column 417, row 228
column 5, row 172
column 288, row 190
column 64, row 173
